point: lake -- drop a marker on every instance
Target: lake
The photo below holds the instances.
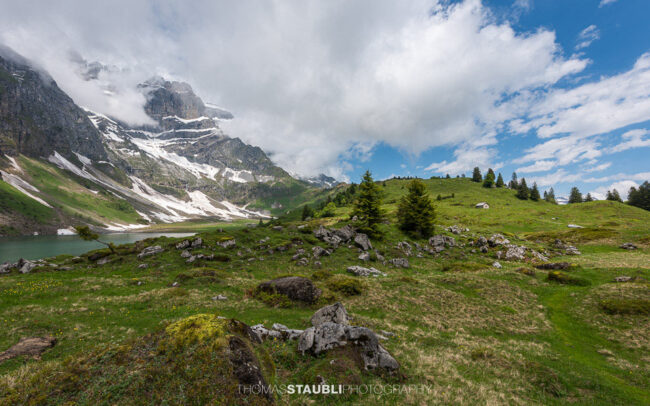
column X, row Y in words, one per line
column 43, row 246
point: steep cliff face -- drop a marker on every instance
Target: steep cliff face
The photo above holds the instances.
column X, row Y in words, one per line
column 37, row 118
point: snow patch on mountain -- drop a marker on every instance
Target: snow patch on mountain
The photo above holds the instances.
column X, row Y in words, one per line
column 22, row 186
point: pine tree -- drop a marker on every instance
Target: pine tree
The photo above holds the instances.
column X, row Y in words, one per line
column 307, row 212
column 513, row 182
column 534, row 193
column 550, row 196
column 416, row 213
column 588, row 198
column 489, row 179
column 640, row 197
column 614, row 196
column 367, row 207
column 476, row 175
column 500, row 182
column 448, row 177
column 575, row 196
column 522, row 190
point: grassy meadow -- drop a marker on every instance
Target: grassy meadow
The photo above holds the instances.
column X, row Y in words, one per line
column 472, row 333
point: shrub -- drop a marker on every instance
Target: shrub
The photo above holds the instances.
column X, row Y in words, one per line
column 321, row 275
column 345, row 285
column 272, row 299
column 625, row 306
column 565, row 279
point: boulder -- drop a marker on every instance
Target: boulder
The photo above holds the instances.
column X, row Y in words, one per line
column 497, row 239
column 277, row 228
column 319, row 252
column 515, row 253
column 400, row 262
column 482, row 241
column 278, row 332
column 7, row 267
column 332, row 240
column 405, row 247
column 456, row 229
column 227, row 243
column 574, row 226
column 197, row 242
column 152, row 250
column 497, row 265
column 482, row 205
column 334, row 313
column 345, row 233
column 439, row 242
column 296, row 288
column 321, row 232
column 620, row 279
column 361, row 271
column 363, row 241
column 185, row 254
column 628, row 246
column 364, row 256
column 25, row 266
column 183, row 245
column 484, row 249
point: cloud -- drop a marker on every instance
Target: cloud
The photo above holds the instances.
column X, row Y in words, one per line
column 334, row 75
column 632, row 139
column 623, row 188
column 597, row 168
column 467, row 157
column 587, row 36
column 606, row 2
column 539, row 166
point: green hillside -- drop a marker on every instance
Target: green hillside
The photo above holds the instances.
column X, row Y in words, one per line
column 472, row 333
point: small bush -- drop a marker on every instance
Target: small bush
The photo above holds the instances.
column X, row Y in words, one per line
column 565, row 279
column 526, row 271
column 345, row 285
column 481, row 353
column 625, row 306
column 321, row 275
column 272, row 299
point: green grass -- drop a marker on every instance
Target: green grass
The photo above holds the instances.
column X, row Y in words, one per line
column 13, row 201
column 473, row 333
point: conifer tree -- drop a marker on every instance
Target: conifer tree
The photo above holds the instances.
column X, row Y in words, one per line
column 550, row 196
column 416, row 213
column 522, row 190
column 575, row 196
column 489, row 179
column 640, row 197
column 476, row 175
column 534, row 193
column 447, row 177
column 307, row 212
column 513, row 182
column 614, row 196
column 588, row 198
column 367, row 207
column 500, row 182
column 86, row 234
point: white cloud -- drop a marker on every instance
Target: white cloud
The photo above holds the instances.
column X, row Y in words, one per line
column 623, row 188
column 415, row 74
column 606, row 2
column 587, row 36
column 589, row 167
column 467, row 157
column 632, row 139
column 538, row 166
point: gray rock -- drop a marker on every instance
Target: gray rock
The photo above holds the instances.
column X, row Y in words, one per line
column 7, row 267
column 25, row 266
column 143, row 266
column 539, row 256
column 321, row 232
column 345, row 233
column 497, row 265
column 104, row 261
column 484, row 249
column 334, row 313
column 319, row 251
column 185, row 254
column 332, row 240
column 302, row 262
column 227, row 243
column 400, row 262
column 197, row 242
column 515, row 253
column 568, row 249
column 482, row 241
column 628, row 246
column 153, row 250
column 277, row 228
column 363, row 241
column 219, row 297
column 621, row 279
column 497, row 239
column 361, row 271
column 294, row 287
column 439, row 242
column 191, row 259
column 175, row 285
column 277, row 332
column 574, row 226
column 183, row 245
column 364, row 256
column 405, row 247
column 456, row 229
column 318, row 265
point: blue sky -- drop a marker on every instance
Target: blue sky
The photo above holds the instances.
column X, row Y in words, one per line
column 623, row 35
column 557, row 90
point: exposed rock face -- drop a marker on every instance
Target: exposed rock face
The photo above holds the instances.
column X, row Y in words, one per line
column 335, row 313
column 363, row 241
column 37, row 118
column 327, row 335
column 294, row 287
column 152, row 250
column 361, row 271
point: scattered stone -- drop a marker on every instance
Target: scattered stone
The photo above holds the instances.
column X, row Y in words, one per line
column 104, row 261
column 302, row 262
column 25, row 266
column 319, row 251
column 539, row 256
column 143, row 266
column 321, row 232
column 153, row 250
column 277, row 228
column 175, row 285
column 497, row 239
column 363, row 241
column 574, row 226
column 568, row 249
column 456, row 229
column 628, row 246
column 405, row 247
column 361, row 271
column 605, row 352
column 345, row 233
column 400, row 262
column 439, row 242
column 295, row 288
column 227, row 243
column 515, row 253
column 183, row 245
column 497, row 265
column 484, row 249
column 364, row 256
column 30, row 346
column 6, row 267
column 219, row 297
column 621, row 279
column 277, row 332
column 482, row 241
column 185, row 254
column 197, row 242
column 554, row 266
column 333, row 241
column 191, row 259
column 329, row 335
column 334, row 313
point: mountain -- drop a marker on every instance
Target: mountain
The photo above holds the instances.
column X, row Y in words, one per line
column 82, row 166
column 322, row 181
